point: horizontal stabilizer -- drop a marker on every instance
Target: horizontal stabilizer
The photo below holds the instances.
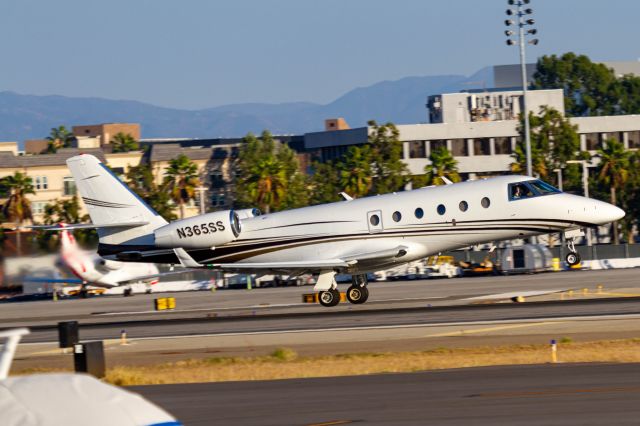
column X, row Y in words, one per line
column 74, row 226
column 53, row 280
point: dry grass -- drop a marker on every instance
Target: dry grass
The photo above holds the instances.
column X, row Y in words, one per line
column 284, row 363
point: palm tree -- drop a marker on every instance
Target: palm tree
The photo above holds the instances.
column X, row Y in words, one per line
column 181, row 181
column 267, row 183
column 124, row 142
column 59, row 137
column 18, row 207
column 614, row 172
column 356, row 176
column 442, row 165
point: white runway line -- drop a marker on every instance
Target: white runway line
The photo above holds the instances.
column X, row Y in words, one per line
column 387, row 327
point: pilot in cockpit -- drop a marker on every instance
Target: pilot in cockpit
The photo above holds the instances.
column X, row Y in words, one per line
column 520, row 191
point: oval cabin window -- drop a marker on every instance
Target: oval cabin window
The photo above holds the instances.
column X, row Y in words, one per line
column 441, row 209
column 464, row 206
column 374, row 220
column 419, row 213
column 396, row 216
column 485, row 202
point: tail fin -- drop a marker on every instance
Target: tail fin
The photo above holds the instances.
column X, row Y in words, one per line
column 111, row 202
column 67, row 240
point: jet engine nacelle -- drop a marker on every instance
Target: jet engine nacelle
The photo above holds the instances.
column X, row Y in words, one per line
column 111, row 265
column 204, row 231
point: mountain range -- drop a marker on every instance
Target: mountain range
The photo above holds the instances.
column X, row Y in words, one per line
column 402, row 101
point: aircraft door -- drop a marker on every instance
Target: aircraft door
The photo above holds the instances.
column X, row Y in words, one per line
column 374, row 221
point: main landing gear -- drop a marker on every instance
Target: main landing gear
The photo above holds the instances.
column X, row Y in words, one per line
column 572, row 258
column 357, row 293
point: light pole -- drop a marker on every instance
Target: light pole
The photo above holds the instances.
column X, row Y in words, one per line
column 520, row 15
column 585, row 186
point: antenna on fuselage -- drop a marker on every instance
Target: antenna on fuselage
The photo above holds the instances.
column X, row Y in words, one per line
column 446, row 180
column 346, row 196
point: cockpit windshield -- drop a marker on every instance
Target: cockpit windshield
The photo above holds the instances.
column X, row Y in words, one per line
column 529, row 189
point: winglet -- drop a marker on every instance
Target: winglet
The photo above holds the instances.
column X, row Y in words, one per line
column 446, row 180
column 346, row 196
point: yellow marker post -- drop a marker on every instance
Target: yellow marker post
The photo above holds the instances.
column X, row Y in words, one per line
column 585, row 291
column 248, row 282
column 554, row 352
column 570, row 293
column 123, row 337
column 600, row 288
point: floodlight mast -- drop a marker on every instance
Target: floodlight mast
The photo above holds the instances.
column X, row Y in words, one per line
column 521, row 22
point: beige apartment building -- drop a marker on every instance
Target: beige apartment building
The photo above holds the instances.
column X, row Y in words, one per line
column 105, row 132
column 51, row 178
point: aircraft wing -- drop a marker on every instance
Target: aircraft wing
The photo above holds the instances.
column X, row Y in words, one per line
column 53, row 280
column 73, row 226
column 376, row 257
column 151, row 276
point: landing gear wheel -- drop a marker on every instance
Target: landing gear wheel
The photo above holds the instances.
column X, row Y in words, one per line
column 127, row 292
column 329, row 298
column 357, row 295
column 572, row 258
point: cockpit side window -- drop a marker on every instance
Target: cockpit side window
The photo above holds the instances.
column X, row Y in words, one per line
column 518, row 191
column 543, row 188
column 532, row 188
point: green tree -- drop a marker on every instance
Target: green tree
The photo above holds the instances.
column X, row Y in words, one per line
column 124, row 142
column 390, row 173
column 142, row 181
column 59, row 137
column 613, row 172
column 17, row 208
column 554, row 141
column 356, row 174
column 181, row 181
column 65, row 211
column 589, row 88
column 324, row 183
column 442, row 165
column 630, row 197
column 268, row 175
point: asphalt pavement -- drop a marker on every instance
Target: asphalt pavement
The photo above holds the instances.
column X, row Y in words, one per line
column 571, row 394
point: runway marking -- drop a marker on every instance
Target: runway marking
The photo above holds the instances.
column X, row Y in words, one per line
column 57, row 351
column 483, row 330
column 331, row 423
column 513, row 294
column 381, row 327
column 553, row 392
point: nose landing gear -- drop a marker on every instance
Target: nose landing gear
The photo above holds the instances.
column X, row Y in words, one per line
column 572, row 258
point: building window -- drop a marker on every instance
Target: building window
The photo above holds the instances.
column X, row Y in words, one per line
column 442, row 209
column 503, row 145
column 68, row 186
column 593, row 141
column 486, row 202
column 37, row 207
column 419, row 213
column 41, row 182
column 634, row 139
column 439, row 143
column 464, row 206
column 216, row 179
column 459, row 148
column 482, row 146
column 217, row 200
column 397, row 216
column 417, row 149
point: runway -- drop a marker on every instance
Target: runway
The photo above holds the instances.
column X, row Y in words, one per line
column 328, row 320
column 573, row 394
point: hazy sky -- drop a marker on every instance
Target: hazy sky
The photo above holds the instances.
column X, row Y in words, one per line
column 201, row 53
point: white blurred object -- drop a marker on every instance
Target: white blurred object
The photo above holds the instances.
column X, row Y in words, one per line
column 68, row 399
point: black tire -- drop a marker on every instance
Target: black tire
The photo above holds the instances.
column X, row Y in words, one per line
column 357, row 295
column 572, row 258
column 329, row 298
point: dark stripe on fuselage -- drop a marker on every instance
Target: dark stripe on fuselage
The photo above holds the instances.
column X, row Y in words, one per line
column 243, row 249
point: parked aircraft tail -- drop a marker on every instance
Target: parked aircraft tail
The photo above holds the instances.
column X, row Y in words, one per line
column 119, row 214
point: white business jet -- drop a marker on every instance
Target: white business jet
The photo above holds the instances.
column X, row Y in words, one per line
column 354, row 236
column 92, row 270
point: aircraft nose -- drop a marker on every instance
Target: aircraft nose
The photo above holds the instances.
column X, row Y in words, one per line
column 608, row 213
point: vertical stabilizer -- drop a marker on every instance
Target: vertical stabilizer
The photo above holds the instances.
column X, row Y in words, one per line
column 110, row 202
